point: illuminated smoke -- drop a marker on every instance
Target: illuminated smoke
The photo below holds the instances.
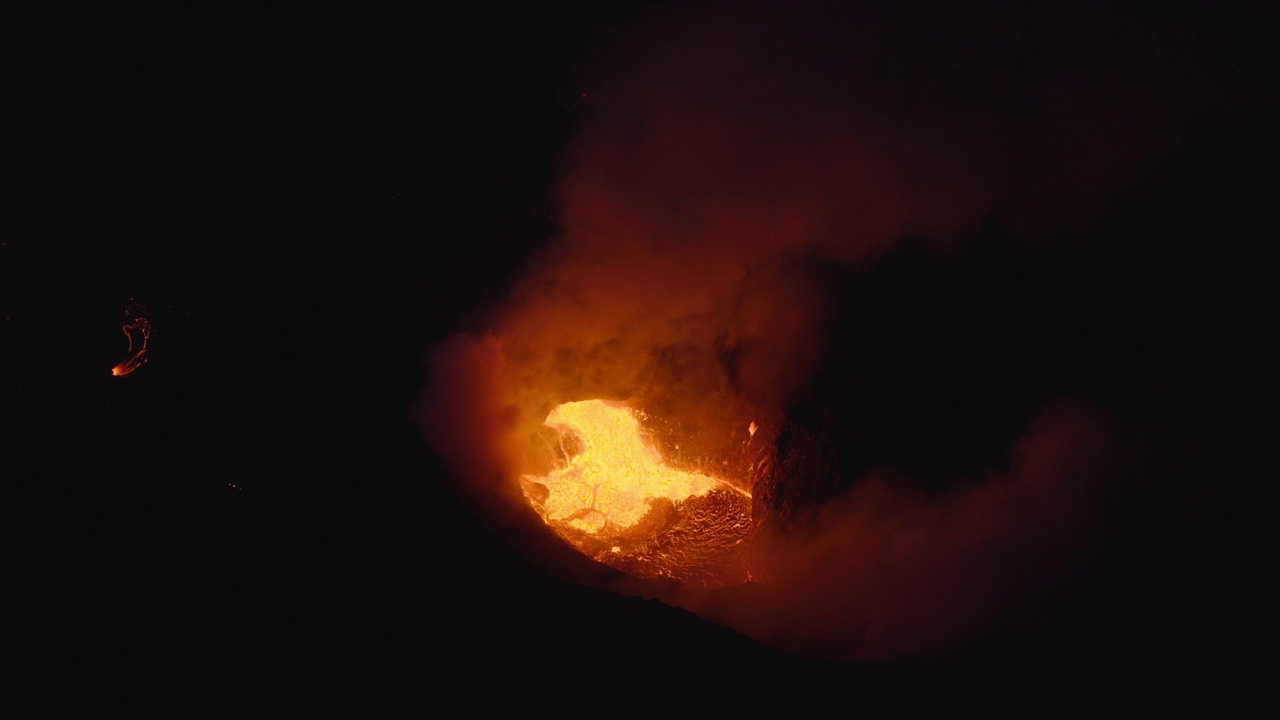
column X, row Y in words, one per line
column 887, row 569
column 731, row 162
column 137, row 328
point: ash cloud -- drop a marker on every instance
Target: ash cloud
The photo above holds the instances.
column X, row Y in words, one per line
column 887, row 570
column 729, row 156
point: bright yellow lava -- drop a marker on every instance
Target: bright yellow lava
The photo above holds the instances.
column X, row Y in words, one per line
column 616, row 474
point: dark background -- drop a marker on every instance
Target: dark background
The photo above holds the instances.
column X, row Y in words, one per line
column 308, row 197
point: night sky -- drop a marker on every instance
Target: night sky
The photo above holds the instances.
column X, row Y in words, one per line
column 308, row 198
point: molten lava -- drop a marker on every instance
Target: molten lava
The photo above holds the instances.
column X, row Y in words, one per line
column 616, row 500
column 138, row 329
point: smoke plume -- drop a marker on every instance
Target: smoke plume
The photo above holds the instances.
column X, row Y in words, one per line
column 731, row 160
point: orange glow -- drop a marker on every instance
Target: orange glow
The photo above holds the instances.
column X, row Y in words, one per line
column 138, row 330
column 616, row 475
column 615, row 499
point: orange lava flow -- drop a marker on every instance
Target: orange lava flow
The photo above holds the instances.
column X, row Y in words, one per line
column 138, row 332
column 617, row 474
column 614, row 498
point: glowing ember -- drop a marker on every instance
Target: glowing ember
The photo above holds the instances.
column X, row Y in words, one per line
column 617, row 500
column 138, row 330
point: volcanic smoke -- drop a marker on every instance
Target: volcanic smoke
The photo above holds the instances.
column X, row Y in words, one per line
column 735, row 164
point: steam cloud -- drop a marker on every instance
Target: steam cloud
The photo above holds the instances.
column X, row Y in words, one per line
column 884, row 571
column 725, row 152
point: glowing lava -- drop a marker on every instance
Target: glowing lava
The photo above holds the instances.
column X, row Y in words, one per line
column 138, row 330
column 616, row 500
